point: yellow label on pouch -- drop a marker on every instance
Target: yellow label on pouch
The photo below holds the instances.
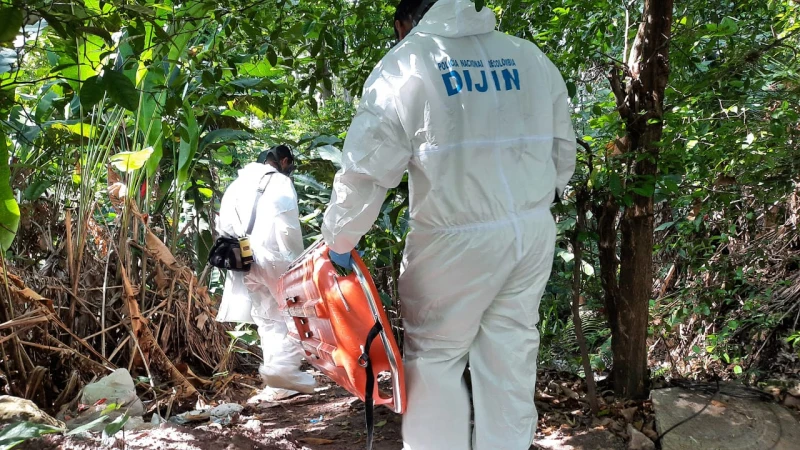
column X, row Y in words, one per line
column 247, row 252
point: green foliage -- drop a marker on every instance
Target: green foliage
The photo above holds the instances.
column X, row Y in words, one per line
column 9, row 210
column 15, row 434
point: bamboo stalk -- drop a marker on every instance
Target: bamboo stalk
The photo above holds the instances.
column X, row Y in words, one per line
column 70, row 258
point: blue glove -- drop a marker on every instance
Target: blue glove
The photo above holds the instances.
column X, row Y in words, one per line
column 343, row 260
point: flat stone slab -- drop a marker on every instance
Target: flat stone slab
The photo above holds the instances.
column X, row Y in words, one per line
column 728, row 423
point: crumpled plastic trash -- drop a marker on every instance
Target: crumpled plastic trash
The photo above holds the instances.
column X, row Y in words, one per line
column 118, row 387
column 318, row 420
column 191, row 416
column 222, row 415
column 225, row 413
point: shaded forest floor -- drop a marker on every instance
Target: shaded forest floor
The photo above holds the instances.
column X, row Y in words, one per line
column 332, row 419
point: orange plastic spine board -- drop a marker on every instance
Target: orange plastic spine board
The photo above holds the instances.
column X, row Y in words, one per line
column 329, row 315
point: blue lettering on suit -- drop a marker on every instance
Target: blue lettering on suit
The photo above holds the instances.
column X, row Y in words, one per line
column 469, row 75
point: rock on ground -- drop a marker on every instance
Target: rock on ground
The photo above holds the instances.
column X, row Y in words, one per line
column 728, row 423
column 15, row 409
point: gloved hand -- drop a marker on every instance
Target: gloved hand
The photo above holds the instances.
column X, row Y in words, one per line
column 343, row 260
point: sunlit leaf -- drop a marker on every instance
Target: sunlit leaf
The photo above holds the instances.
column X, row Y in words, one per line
column 130, row 161
column 81, row 129
column 9, row 209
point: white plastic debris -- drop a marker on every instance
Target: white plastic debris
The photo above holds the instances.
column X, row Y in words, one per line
column 118, row 388
column 225, row 413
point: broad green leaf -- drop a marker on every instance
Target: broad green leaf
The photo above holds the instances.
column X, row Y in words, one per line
column 150, row 119
column 572, row 90
column 728, row 27
column 111, row 407
column 121, row 90
column 664, row 226
column 330, row 153
column 10, row 23
column 13, row 435
column 93, row 6
column 9, row 209
column 92, row 91
column 587, row 269
column 36, row 189
column 224, row 156
column 737, row 369
column 272, row 57
column 223, row 135
column 118, row 423
column 189, row 142
column 87, row 426
column 130, row 161
column 248, row 336
column 90, row 53
column 81, row 129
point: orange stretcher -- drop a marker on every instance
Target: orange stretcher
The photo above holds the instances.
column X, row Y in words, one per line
column 335, row 319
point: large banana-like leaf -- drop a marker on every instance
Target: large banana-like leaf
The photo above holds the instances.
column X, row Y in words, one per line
column 190, row 136
column 9, row 209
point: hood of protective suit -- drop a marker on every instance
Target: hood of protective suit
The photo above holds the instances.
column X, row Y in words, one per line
column 252, row 172
column 456, row 18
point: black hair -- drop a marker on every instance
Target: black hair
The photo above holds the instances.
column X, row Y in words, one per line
column 405, row 9
column 276, row 154
column 412, row 11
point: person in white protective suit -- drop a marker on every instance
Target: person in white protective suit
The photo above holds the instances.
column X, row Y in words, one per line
column 481, row 122
column 276, row 240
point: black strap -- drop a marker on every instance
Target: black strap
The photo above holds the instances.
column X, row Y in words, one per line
column 255, row 204
column 366, row 363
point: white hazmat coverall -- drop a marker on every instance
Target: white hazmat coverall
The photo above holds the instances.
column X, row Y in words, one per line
column 276, row 241
column 481, row 122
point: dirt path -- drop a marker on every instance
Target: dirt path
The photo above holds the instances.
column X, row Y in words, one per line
column 331, row 419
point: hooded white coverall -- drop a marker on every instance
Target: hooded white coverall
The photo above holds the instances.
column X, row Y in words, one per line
column 276, row 241
column 480, row 120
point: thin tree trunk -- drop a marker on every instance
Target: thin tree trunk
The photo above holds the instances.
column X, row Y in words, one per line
column 640, row 101
column 591, row 390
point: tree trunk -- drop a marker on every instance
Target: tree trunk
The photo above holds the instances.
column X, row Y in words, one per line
column 577, row 247
column 640, row 99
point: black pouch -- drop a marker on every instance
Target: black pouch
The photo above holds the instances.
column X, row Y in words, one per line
column 227, row 254
column 235, row 253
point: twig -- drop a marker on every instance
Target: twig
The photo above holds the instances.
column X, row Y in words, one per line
column 119, row 347
column 144, row 360
column 103, row 307
column 23, row 322
column 8, row 315
column 16, row 333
